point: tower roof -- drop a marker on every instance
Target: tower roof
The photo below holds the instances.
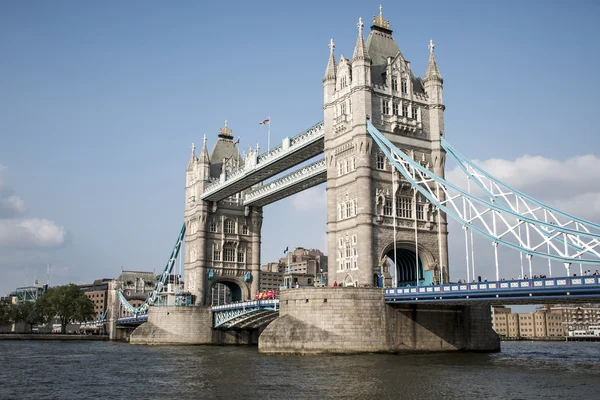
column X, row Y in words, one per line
column 224, row 150
column 331, row 69
column 381, row 45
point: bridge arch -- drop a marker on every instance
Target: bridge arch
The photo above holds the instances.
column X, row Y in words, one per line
column 406, row 263
column 238, row 289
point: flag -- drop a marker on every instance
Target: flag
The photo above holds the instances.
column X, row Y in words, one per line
column 237, row 141
column 285, row 251
column 266, row 121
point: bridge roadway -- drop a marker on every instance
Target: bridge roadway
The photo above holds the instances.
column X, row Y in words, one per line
column 575, row 289
column 246, row 314
column 291, row 152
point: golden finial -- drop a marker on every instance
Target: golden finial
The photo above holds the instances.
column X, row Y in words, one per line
column 379, row 21
column 225, row 131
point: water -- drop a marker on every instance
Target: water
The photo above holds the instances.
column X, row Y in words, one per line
column 84, row 370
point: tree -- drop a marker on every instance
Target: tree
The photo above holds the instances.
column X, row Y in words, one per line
column 28, row 313
column 69, row 304
column 5, row 313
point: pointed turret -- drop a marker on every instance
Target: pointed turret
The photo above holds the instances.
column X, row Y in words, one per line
column 331, row 66
column 193, row 158
column 361, row 61
column 330, row 74
column 204, row 157
column 360, row 50
column 433, row 72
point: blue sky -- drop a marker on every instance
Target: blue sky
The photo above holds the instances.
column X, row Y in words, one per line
column 100, row 102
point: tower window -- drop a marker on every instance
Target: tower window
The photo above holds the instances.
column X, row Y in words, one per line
column 395, row 108
column 404, row 207
column 216, row 254
column 229, row 254
column 420, row 211
column 380, row 163
column 387, row 207
column 240, row 256
column 404, row 86
column 343, row 108
column 386, row 107
column 213, row 226
column 229, row 226
column 415, row 112
column 245, row 229
column 394, row 83
column 405, row 110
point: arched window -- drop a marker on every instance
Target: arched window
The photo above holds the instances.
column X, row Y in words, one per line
column 229, row 226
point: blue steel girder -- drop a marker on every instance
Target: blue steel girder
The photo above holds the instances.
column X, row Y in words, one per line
column 492, row 218
column 301, row 179
column 291, row 152
column 161, row 281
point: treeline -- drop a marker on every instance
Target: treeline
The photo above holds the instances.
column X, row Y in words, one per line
column 67, row 303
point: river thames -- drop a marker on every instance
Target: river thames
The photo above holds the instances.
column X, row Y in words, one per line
column 85, row 370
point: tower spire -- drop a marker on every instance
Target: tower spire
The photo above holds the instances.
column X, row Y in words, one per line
column 204, row 157
column 331, row 66
column 360, row 50
column 433, row 71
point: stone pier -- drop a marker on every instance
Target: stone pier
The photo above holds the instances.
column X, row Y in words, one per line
column 169, row 325
column 357, row 320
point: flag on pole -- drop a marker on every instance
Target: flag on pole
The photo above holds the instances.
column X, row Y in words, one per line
column 286, row 250
column 237, row 141
column 266, row 121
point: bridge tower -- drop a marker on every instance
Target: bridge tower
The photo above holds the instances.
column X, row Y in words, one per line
column 377, row 83
column 222, row 242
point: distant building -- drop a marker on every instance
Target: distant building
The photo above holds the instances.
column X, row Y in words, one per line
column 546, row 322
column 302, row 267
column 98, row 293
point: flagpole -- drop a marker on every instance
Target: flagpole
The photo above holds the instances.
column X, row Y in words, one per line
column 269, row 136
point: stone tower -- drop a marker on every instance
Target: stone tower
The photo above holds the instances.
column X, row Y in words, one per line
column 222, row 241
column 377, row 83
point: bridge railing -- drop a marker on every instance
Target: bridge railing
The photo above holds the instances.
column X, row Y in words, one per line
column 535, row 284
column 132, row 320
column 248, row 304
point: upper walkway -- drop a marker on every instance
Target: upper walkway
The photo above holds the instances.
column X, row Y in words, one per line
column 257, row 168
column 575, row 289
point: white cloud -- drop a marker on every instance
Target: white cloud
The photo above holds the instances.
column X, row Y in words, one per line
column 30, row 232
column 312, row 199
column 18, row 231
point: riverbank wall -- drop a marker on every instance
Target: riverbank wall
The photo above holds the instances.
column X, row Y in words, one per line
column 53, row 336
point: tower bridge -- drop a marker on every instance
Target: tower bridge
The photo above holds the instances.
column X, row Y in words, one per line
column 384, row 150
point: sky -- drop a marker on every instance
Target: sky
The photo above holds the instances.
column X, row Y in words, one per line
column 101, row 101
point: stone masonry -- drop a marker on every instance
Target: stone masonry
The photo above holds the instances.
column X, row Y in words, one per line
column 356, row 320
column 377, row 83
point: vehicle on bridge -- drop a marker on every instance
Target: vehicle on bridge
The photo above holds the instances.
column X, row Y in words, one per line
column 268, row 295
